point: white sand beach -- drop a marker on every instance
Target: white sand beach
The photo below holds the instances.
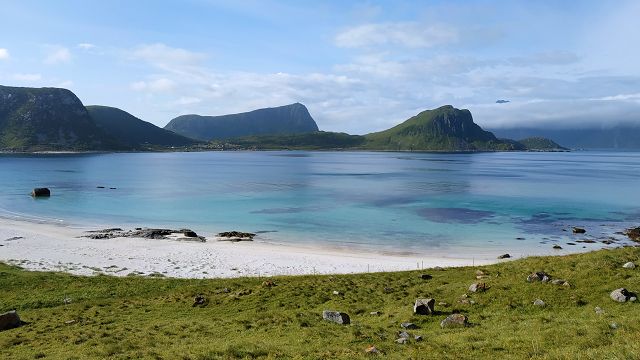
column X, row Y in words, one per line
column 44, row 246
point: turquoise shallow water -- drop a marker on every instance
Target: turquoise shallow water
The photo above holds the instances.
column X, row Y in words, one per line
column 415, row 202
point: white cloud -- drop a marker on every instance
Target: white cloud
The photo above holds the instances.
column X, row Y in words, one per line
column 86, row 46
column 407, row 34
column 156, row 85
column 164, row 56
column 27, row 77
column 65, row 84
column 4, row 54
column 57, row 55
column 187, row 100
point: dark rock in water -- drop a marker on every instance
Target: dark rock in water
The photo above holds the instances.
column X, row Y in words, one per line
column 409, row 325
column 236, row 236
column 557, row 247
column 41, row 192
column 9, row 320
column 539, row 276
column 622, row 295
column 200, row 300
column 504, row 256
column 424, row 306
column 578, row 230
column 426, row 277
column 336, row 317
column 633, row 233
column 478, row 287
column 112, row 188
column 570, row 243
column 99, row 187
column 454, row 321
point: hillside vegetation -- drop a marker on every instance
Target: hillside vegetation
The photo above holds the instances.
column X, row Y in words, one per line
column 249, row 318
column 34, row 119
column 445, row 128
column 132, row 132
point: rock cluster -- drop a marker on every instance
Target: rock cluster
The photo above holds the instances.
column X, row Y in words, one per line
column 146, row 233
column 622, row 295
column 235, row 236
column 539, row 276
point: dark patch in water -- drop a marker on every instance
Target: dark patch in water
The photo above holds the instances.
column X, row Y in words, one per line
column 294, row 155
column 287, row 210
column 455, row 215
column 266, row 231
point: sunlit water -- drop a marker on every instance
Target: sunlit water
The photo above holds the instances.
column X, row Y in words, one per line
column 381, row 201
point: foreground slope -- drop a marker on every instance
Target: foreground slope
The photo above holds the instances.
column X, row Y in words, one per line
column 135, row 317
column 133, row 132
column 443, row 129
column 289, row 119
column 34, row 119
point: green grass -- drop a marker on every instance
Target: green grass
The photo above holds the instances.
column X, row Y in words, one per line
column 135, row 317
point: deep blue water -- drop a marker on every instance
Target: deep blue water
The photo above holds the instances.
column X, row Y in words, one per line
column 400, row 201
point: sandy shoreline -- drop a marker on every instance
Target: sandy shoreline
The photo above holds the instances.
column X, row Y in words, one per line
column 44, row 246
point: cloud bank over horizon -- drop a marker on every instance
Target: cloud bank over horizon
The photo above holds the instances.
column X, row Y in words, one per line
column 358, row 67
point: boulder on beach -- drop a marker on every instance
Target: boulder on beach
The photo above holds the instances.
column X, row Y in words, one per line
column 41, row 192
column 633, row 233
column 9, row 320
column 424, row 306
column 336, row 317
column 235, row 236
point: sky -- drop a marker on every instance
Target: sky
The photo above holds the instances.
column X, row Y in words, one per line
column 357, row 66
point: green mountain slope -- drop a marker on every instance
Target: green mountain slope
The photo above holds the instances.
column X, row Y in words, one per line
column 33, row 119
column 443, row 129
column 289, row 119
column 133, row 132
column 320, row 140
column 540, row 143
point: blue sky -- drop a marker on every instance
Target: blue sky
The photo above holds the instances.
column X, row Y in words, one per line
column 358, row 66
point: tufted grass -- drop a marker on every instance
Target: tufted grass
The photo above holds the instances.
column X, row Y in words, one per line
column 153, row 318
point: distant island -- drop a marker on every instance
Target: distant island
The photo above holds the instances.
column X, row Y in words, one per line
column 54, row 119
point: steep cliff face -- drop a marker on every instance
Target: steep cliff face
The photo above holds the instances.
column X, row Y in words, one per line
column 443, row 129
column 283, row 120
column 47, row 119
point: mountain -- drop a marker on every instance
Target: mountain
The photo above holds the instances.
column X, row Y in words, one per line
column 320, row 140
column 34, row 119
column 540, row 143
column 289, row 119
column 443, row 129
column 133, row 132
column 617, row 137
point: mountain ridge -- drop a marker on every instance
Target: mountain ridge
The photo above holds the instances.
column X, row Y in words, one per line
column 281, row 120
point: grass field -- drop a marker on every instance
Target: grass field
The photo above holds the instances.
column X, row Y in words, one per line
column 134, row 317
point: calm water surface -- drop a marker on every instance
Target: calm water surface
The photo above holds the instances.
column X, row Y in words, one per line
column 417, row 202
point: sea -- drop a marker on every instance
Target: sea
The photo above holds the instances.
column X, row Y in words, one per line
column 395, row 202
